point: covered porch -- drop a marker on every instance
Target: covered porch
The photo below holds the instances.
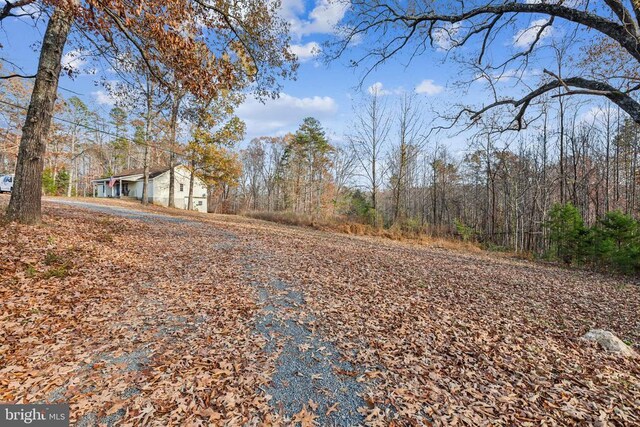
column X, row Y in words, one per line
column 118, row 187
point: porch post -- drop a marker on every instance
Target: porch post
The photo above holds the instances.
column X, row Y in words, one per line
column 120, row 195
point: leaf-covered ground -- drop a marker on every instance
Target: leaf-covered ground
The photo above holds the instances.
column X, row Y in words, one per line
column 163, row 318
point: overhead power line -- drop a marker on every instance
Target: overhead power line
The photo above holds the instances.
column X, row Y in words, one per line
column 91, row 128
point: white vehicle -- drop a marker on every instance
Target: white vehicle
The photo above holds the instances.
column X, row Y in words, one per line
column 6, row 183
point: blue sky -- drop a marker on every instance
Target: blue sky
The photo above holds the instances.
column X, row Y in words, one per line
column 326, row 92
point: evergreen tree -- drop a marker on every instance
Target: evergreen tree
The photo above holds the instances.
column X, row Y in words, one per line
column 566, row 232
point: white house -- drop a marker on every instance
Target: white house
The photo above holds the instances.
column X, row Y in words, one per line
column 129, row 184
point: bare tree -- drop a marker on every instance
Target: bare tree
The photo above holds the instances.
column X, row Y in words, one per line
column 177, row 94
column 411, row 141
column 368, row 138
column 253, row 162
column 343, row 164
column 414, row 26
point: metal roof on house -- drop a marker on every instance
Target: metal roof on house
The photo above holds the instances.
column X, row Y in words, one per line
column 153, row 172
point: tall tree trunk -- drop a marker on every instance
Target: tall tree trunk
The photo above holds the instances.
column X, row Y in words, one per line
column 77, row 175
column 210, row 202
column 191, row 182
column 145, row 177
column 634, row 166
column 562, row 172
column 617, row 162
column 25, row 203
column 72, row 166
column 607, row 160
column 374, row 193
column 173, row 124
column 145, row 182
column 545, row 187
column 434, row 196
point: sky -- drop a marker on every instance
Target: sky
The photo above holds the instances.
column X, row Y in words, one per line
column 329, row 92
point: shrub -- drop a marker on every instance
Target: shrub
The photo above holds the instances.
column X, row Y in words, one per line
column 613, row 243
column 31, row 272
column 618, row 242
column 566, row 232
column 59, row 272
column 60, row 265
column 360, row 209
column 51, row 258
column 464, row 231
column 55, row 186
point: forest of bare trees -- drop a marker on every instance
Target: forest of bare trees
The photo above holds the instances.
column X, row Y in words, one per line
column 498, row 190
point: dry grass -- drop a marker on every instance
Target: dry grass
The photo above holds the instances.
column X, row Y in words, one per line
column 341, row 225
column 330, row 224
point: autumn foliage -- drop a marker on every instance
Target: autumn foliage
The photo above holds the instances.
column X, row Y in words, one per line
column 208, row 46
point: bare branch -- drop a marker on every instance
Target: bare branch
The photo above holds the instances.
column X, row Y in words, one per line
column 585, row 87
column 625, row 17
column 8, row 6
column 14, row 76
column 373, row 16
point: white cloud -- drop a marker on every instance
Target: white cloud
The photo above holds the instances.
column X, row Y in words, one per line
column 73, row 60
column 593, row 114
column 118, row 93
column 326, row 15
column 284, row 114
column 525, row 37
column 103, row 98
column 444, row 37
column 322, row 19
column 290, row 9
column 506, row 75
column 428, row 87
column 307, row 51
column 378, row 89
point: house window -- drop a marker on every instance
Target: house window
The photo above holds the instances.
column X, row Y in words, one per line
column 181, row 187
column 199, row 202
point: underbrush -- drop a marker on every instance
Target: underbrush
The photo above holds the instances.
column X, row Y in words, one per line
column 56, row 264
column 343, row 225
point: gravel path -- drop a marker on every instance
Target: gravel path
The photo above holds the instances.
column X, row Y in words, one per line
column 309, row 370
column 310, row 374
column 123, row 212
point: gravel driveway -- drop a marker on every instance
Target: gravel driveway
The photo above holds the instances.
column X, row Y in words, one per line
column 309, row 371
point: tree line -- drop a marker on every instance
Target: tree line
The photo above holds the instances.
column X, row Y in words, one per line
column 498, row 189
column 502, row 190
